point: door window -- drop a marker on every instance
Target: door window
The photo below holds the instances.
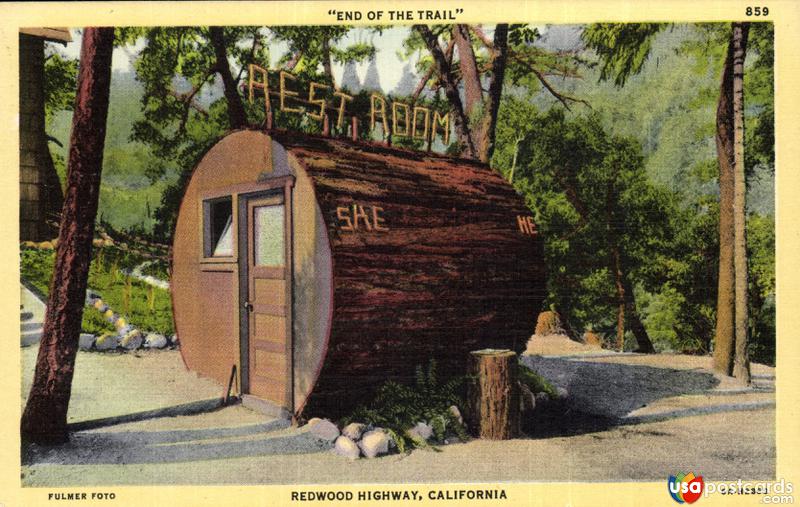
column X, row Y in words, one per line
column 268, row 243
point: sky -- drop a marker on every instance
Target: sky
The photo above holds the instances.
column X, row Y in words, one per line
column 387, row 45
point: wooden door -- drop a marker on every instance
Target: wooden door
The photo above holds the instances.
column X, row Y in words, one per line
column 268, row 304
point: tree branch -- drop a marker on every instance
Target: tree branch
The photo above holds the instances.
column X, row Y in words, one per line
column 448, row 53
column 451, row 91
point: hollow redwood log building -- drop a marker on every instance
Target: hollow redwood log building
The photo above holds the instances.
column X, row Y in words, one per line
column 322, row 267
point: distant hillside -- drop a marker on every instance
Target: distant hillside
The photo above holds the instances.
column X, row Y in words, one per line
column 127, row 196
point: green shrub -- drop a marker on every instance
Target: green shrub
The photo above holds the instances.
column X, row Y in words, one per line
column 94, row 322
column 398, row 407
column 535, row 382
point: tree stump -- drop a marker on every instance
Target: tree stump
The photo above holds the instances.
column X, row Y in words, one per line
column 493, row 396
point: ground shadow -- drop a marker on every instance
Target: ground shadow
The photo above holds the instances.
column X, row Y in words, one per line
column 601, row 394
column 141, row 447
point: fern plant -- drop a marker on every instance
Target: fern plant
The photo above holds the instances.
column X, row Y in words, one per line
column 398, row 407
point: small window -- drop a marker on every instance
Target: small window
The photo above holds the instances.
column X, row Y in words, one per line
column 218, row 228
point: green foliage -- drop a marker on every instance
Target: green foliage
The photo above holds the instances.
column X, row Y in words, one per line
column 149, row 308
column 397, row 407
column 535, row 382
column 94, row 322
column 623, row 48
column 61, row 74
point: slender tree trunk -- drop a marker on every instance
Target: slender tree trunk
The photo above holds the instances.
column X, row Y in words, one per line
column 724, row 334
column 741, row 364
column 473, row 95
column 495, row 91
column 645, row 346
column 620, row 286
column 443, row 69
column 236, row 115
column 326, row 61
column 45, row 415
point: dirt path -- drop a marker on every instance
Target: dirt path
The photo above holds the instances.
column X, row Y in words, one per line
column 649, row 416
column 235, row 445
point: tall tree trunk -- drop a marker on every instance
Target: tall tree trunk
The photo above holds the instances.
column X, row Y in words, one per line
column 741, row 364
column 45, row 415
column 724, row 336
column 626, row 301
column 326, row 61
column 473, row 95
column 443, row 69
column 500, row 44
column 620, row 287
column 645, row 346
column 236, row 115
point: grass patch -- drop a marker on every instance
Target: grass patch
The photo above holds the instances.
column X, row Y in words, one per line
column 146, row 307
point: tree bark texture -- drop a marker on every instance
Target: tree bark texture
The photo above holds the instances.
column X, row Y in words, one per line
column 644, row 345
column 45, row 415
column 236, row 114
column 452, row 274
column 724, row 333
column 495, row 91
column 493, row 396
column 741, row 364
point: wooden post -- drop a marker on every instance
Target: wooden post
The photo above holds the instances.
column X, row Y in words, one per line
column 354, row 130
column 493, row 397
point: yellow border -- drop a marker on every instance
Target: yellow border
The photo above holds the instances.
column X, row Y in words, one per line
column 784, row 13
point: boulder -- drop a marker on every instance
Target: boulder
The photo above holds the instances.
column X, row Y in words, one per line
column 346, row 447
column 421, row 430
column 527, row 400
column 374, row 443
column 133, row 340
column 456, row 413
column 561, row 392
column 354, row 430
column 120, row 323
column 541, row 398
column 85, row 341
column 155, row 341
column 174, row 339
column 110, row 315
column 323, row 429
column 107, row 341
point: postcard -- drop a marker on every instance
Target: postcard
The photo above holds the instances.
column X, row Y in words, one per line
column 369, row 253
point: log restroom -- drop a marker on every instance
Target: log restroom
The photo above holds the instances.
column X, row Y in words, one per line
column 322, row 267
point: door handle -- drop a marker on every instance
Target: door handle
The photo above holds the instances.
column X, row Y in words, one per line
column 248, row 306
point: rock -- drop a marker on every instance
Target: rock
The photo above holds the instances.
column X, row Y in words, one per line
column 421, row 430
column 120, row 323
column 174, row 339
column 374, row 443
column 133, row 340
column 592, row 339
column 155, row 341
column 323, row 429
column 562, row 393
column 97, row 243
column 541, row 398
column 353, row 430
column 346, row 447
column 311, row 422
column 548, row 323
column 456, row 413
column 86, row 340
column 46, row 245
column 107, row 341
column 527, row 400
column 452, row 440
column 109, row 315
